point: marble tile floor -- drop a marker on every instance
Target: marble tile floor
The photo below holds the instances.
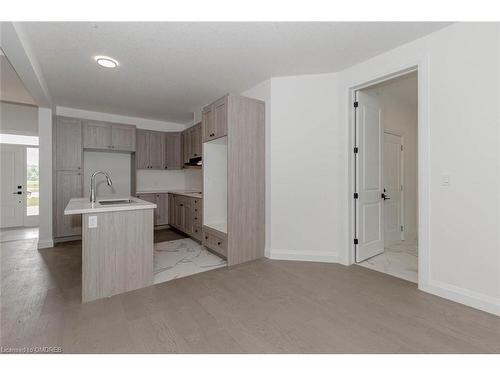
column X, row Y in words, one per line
column 182, row 257
column 399, row 260
column 18, row 233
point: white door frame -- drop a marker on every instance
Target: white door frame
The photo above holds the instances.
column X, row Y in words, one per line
column 397, row 133
column 423, row 235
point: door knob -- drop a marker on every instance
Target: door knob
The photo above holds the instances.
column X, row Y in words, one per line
column 384, row 196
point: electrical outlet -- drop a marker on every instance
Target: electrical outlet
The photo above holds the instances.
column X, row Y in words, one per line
column 93, row 221
column 445, row 180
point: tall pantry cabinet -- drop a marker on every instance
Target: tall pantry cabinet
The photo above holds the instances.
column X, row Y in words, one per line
column 233, row 129
column 68, row 175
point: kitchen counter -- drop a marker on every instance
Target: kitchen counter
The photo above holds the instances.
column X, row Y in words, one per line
column 117, row 245
column 84, row 206
column 187, row 193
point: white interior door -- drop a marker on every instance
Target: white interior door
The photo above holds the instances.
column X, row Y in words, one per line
column 392, row 187
column 369, row 178
column 12, row 184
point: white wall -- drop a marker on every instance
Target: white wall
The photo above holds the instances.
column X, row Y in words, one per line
column 168, row 180
column 461, row 81
column 399, row 104
column 18, row 119
column 310, row 154
column 303, row 165
column 45, row 238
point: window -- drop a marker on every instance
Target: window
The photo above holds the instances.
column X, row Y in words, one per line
column 32, row 181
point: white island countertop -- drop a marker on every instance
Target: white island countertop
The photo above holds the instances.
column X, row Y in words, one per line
column 84, row 206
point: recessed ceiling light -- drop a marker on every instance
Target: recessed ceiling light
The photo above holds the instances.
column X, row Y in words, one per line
column 106, row 62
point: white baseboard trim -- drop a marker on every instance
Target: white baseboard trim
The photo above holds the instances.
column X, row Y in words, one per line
column 464, row 296
column 303, row 255
column 44, row 244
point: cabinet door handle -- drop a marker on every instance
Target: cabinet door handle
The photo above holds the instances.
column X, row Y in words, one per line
column 206, row 237
column 218, row 243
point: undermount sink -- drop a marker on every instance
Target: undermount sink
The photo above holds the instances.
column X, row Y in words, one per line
column 116, row 201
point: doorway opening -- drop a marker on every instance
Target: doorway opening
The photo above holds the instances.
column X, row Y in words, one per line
column 20, row 190
column 386, row 176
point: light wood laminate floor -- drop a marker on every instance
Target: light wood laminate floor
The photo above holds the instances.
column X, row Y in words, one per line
column 265, row 306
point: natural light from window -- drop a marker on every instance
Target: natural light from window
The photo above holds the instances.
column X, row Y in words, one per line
column 19, row 139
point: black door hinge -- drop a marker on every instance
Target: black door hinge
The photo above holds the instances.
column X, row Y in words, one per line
column 356, row 104
column 356, row 195
column 355, row 241
column 402, row 228
column 356, row 150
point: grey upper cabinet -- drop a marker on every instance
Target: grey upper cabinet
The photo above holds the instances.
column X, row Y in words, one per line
column 123, row 137
column 220, row 117
column 150, row 150
column 186, row 146
column 207, row 120
column 68, row 144
column 173, row 154
column 195, row 141
column 142, row 149
column 96, row 135
column 100, row 135
column 157, row 150
column 214, row 119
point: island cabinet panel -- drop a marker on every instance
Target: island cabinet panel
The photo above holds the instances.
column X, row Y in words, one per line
column 117, row 255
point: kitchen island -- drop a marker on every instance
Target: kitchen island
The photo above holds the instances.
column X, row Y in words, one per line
column 117, row 245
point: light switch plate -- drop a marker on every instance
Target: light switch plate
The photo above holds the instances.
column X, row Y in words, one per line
column 93, row 221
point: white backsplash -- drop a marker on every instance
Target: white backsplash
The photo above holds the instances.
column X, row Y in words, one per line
column 168, row 180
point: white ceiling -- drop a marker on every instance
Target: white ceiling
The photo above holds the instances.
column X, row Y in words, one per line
column 11, row 86
column 168, row 70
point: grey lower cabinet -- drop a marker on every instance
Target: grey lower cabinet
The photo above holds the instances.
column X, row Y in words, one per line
column 185, row 214
column 161, row 212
